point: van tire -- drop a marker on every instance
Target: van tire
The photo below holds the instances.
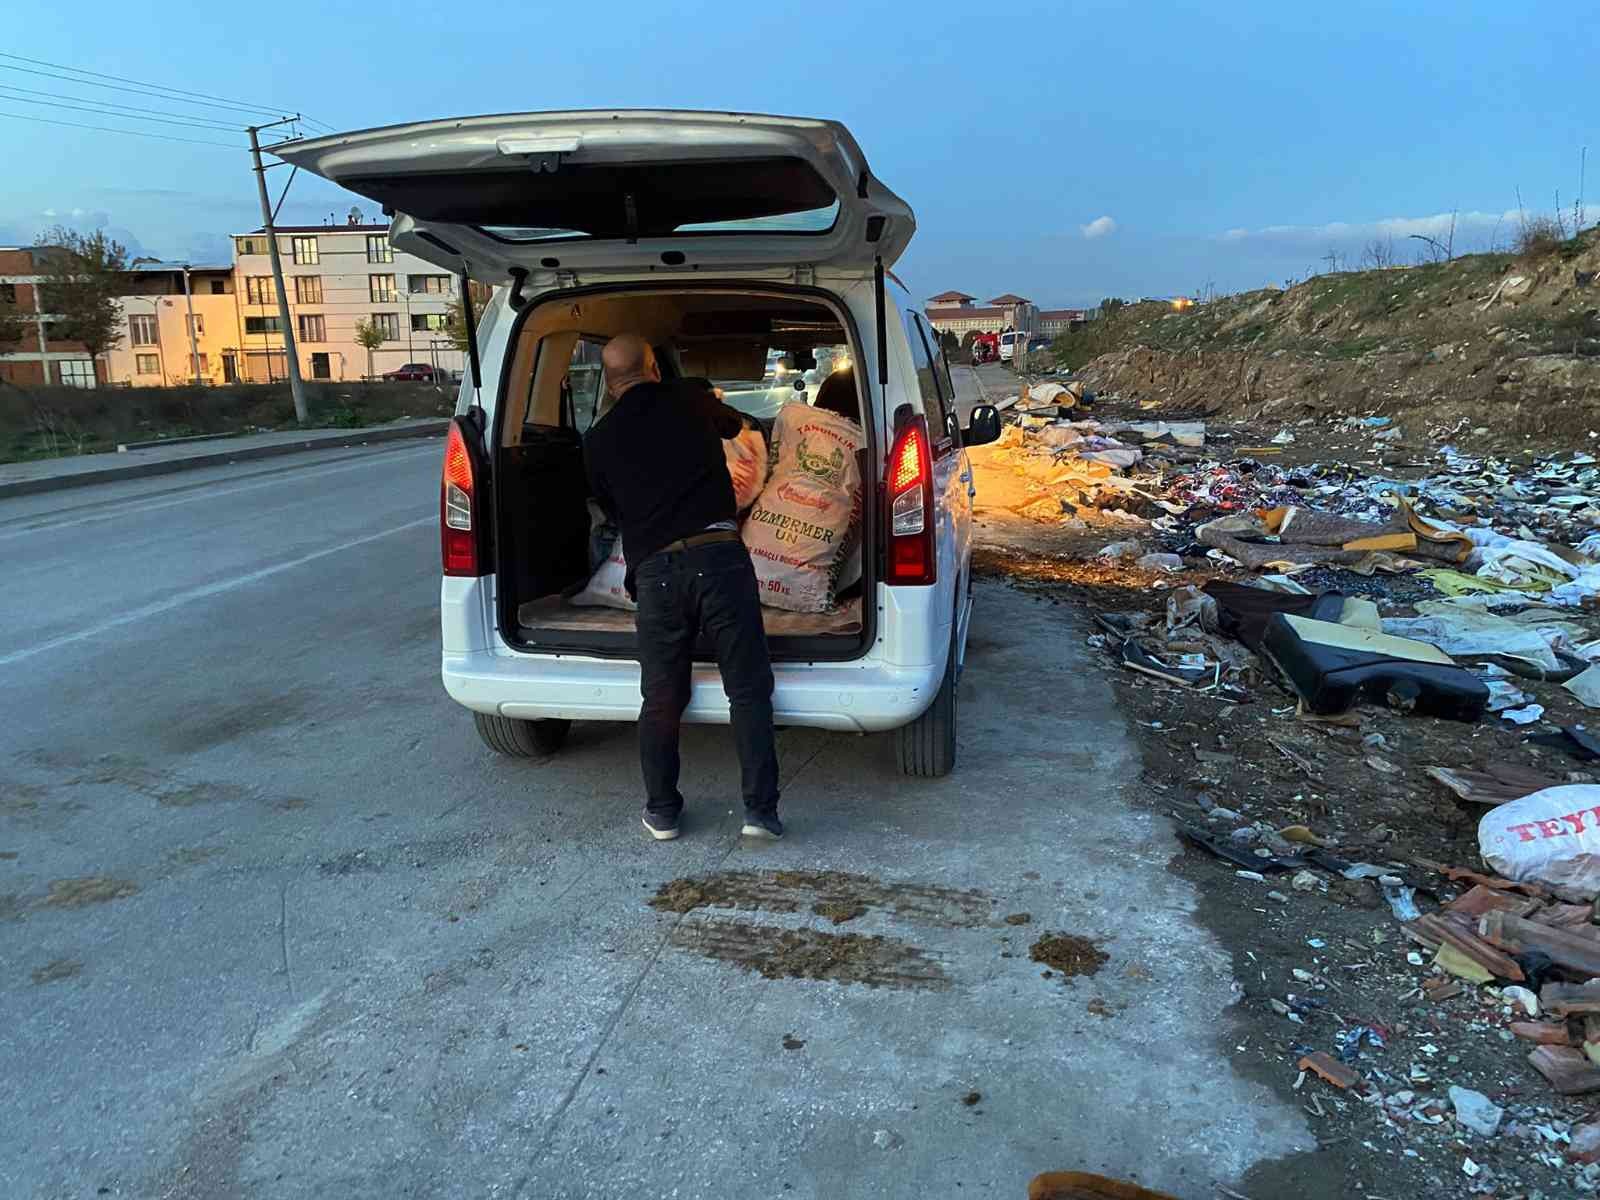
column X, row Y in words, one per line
column 522, row 739
column 928, row 745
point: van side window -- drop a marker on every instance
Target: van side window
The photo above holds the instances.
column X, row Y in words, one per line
column 940, row 419
column 585, row 384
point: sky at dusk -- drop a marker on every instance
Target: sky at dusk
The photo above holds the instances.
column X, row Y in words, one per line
column 1067, row 152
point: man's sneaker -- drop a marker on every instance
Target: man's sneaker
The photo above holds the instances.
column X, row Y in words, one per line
column 661, row 827
column 762, row 825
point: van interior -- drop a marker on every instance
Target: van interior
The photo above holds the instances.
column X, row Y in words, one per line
column 763, row 349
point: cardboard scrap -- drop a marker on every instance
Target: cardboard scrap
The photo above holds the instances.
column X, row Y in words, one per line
column 1498, row 783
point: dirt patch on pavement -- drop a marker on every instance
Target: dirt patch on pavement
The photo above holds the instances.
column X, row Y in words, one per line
column 87, row 890
column 839, row 896
column 53, row 972
column 874, row 961
column 1069, row 954
column 839, row 911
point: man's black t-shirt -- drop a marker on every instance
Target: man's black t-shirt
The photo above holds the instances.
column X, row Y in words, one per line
column 657, row 467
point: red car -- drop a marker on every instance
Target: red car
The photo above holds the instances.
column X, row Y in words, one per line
column 416, row 373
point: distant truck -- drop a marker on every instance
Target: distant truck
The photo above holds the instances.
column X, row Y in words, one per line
column 985, row 348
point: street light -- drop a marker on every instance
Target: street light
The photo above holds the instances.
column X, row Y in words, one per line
column 188, row 301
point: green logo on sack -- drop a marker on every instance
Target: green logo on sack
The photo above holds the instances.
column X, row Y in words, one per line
column 829, row 469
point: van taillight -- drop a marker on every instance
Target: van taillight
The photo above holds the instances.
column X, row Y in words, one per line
column 458, row 540
column 911, row 558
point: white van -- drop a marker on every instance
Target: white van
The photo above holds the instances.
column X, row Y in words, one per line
column 1008, row 345
column 731, row 241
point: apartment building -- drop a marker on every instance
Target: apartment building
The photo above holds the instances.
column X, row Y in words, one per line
column 39, row 357
column 154, row 350
column 337, row 276
column 954, row 312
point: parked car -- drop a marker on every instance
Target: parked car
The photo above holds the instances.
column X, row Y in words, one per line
column 755, row 237
column 416, row 373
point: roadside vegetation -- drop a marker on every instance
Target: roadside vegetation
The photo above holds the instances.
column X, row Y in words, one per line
column 47, row 422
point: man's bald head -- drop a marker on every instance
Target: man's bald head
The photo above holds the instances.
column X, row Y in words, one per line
column 628, row 361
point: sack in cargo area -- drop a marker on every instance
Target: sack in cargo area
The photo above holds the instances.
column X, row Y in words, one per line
column 747, row 466
column 605, row 587
column 803, row 531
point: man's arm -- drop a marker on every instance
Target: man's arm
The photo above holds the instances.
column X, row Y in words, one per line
column 702, row 399
column 594, row 467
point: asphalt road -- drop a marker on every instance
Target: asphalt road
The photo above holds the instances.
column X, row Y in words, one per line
column 274, row 924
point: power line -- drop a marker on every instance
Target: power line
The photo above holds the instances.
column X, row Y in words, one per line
column 166, row 137
column 113, row 87
column 132, row 108
column 148, row 86
column 108, row 113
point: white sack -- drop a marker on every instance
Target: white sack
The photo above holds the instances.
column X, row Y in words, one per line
column 1551, row 837
column 803, row 530
column 605, row 587
column 747, row 466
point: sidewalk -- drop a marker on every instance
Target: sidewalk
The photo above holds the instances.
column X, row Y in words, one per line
column 54, row 474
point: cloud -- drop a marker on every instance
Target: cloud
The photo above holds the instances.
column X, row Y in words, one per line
column 1437, row 225
column 1098, row 228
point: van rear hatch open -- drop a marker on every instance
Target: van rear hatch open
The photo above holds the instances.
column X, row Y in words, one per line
column 620, row 191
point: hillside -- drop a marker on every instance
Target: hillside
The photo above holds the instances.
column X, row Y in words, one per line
column 1492, row 351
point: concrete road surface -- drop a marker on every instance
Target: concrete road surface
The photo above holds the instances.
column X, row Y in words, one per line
column 275, row 924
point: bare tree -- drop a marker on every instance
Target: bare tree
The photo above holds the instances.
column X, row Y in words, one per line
column 15, row 325
column 82, row 277
column 1378, row 253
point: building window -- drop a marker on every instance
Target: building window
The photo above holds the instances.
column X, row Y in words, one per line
column 378, row 248
column 381, row 288
column 252, row 245
column 304, row 250
column 202, row 364
column 147, row 364
column 142, row 330
column 428, row 322
column 218, row 288
column 387, row 324
column 263, row 325
column 438, row 285
column 308, row 289
column 258, row 290
column 78, row 373
column 8, row 293
column 313, row 328
column 197, row 324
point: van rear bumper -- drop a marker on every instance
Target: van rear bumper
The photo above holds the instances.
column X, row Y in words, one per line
column 861, row 696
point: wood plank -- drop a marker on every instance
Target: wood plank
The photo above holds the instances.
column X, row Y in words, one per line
column 1570, row 999
column 1566, row 1069
column 1575, row 951
column 1546, row 1033
column 1477, row 900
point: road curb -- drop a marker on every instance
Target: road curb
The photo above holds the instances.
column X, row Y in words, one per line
column 171, row 466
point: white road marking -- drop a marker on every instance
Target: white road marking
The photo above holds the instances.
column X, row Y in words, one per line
column 134, row 507
column 202, row 593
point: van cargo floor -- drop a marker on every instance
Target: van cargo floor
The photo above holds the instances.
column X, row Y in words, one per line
column 553, row 612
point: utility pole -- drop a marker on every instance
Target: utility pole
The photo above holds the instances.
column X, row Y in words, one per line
column 194, row 351
column 291, row 356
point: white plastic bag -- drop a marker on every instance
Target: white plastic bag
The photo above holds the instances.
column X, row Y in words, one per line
column 747, row 466
column 1550, row 837
column 802, row 532
column 605, row 587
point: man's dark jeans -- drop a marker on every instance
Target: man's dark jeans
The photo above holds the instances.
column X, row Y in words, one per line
column 710, row 587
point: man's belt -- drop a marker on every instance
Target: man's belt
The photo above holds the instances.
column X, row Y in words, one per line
column 700, row 539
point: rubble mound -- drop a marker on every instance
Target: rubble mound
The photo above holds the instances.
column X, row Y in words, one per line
column 1494, row 351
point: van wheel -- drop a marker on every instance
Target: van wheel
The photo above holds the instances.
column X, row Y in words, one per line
column 928, row 745
column 521, row 739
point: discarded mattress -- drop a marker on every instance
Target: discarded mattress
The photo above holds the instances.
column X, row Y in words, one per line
column 1333, row 666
